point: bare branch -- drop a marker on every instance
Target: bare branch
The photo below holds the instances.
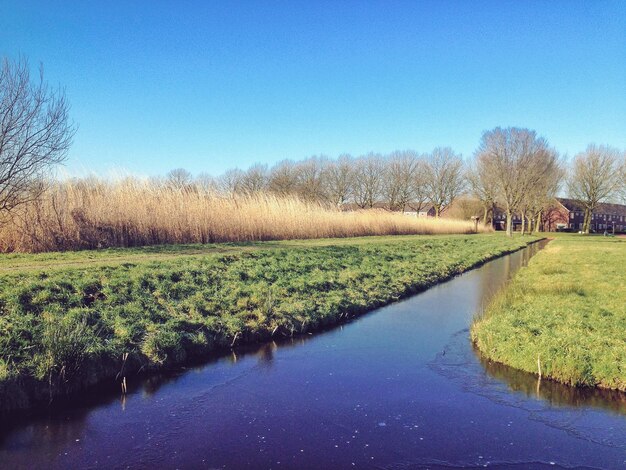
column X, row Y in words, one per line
column 35, row 132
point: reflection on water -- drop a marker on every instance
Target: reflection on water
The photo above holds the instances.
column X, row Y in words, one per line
column 588, row 414
column 554, row 393
column 495, row 274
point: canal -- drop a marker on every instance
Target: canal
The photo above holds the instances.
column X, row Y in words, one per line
column 400, row 387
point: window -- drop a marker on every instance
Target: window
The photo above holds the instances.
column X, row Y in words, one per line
column 571, row 215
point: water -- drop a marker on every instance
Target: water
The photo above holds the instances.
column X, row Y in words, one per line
column 400, row 387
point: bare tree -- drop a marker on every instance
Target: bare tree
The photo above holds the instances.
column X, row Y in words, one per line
column 482, row 185
column 310, row 179
column 368, row 180
column 622, row 178
column 179, row 178
column 594, row 178
column 545, row 199
column 514, row 158
column 419, row 188
column 392, row 180
column 230, row 182
column 283, row 178
column 35, row 133
column 338, row 178
column 464, row 207
column 206, row 183
column 444, row 178
column 254, row 179
column 400, row 177
column 545, row 175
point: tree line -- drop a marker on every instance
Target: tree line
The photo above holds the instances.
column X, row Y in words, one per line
column 397, row 180
column 514, row 168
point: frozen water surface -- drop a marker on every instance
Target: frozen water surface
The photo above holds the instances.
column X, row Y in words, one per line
column 399, row 388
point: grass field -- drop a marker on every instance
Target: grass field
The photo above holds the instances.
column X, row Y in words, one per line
column 68, row 320
column 29, row 262
column 565, row 313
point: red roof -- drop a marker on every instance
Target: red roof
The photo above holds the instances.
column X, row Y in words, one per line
column 573, row 205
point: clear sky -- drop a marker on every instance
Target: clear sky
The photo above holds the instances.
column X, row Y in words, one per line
column 210, row 85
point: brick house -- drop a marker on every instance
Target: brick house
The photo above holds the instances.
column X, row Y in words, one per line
column 569, row 214
column 499, row 219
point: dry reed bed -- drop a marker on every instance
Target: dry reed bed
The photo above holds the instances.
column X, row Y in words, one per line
column 95, row 213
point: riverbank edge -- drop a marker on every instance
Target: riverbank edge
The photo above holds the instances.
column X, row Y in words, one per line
column 20, row 394
column 481, row 348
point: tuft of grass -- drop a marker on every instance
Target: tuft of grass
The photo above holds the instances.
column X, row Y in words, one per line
column 567, row 309
column 74, row 326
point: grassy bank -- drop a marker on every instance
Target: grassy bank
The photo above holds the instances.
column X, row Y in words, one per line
column 567, row 309
column 65, row 325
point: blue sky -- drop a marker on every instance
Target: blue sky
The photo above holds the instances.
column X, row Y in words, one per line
column 211, row 85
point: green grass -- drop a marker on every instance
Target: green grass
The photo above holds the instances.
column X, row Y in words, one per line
column 68, row 319
column 567, row 309
column 24, row 262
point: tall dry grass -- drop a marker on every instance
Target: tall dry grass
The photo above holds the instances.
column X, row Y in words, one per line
column 95, row 213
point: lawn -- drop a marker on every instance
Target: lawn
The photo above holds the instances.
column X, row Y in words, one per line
column 565, row 313
column 24, row 262
column 69, row 320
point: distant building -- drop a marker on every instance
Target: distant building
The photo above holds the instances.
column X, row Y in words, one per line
column 427, row 211
column 569, row 214
column 563, row 214
column 499, row 219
